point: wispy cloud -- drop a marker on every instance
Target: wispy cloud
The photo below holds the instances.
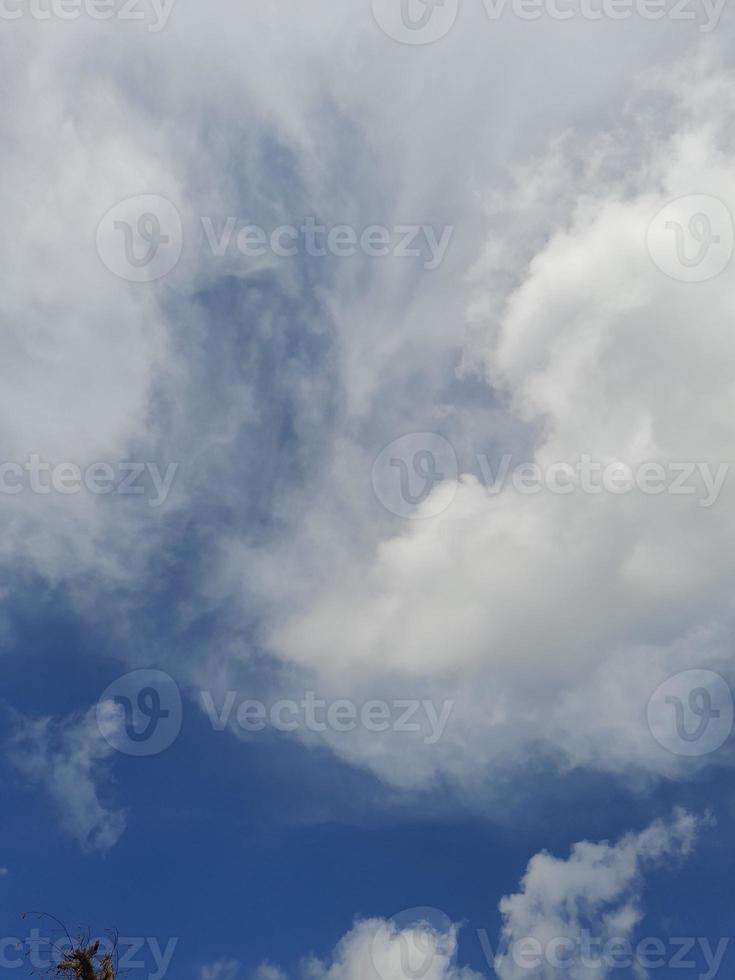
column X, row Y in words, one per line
column 66, row 758
column 224, row 969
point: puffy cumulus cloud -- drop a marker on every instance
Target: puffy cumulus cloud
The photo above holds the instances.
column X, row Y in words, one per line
column 595, row 892
column 67, row 760
column 378, row 949
column 549, row 618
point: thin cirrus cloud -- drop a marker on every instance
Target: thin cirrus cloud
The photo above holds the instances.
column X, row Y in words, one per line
column 67, row 760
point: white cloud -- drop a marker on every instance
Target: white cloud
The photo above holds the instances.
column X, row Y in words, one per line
column 82, row 349
column 66, row 759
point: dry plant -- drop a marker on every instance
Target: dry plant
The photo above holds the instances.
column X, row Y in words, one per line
column 85, row 964
column 79, row 958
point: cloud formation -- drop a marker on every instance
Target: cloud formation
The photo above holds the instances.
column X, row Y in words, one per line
column 547, row 331
column 223, row 969
column 595, row 892
column 551, row 619
column 570, row 918
column 66, row 760
column 377, row 949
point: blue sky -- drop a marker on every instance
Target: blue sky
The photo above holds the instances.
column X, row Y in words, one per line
column 366, row 435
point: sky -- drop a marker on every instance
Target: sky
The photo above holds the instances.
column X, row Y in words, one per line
column 366, row 431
